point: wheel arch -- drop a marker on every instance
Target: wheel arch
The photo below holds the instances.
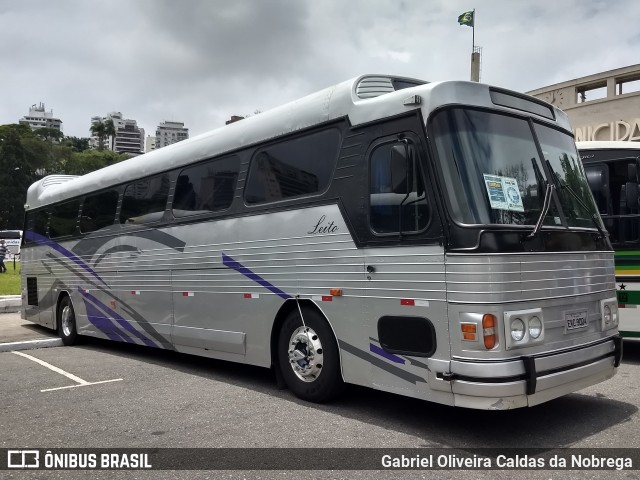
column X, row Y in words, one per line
column 61, row 295
column 286, row 308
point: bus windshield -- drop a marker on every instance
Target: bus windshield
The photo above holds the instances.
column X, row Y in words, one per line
column 494, row 172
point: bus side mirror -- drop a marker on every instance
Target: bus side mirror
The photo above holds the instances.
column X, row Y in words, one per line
column 399, row 168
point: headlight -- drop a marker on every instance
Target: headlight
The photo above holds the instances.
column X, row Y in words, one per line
column 517, row 329
column 535, row 327
column 610, row 314
column 607, row 315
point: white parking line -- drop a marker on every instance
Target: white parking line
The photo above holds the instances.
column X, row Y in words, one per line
column 78, row 380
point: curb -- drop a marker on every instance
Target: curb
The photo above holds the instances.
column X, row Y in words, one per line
column 31, row 344
column 10, row 303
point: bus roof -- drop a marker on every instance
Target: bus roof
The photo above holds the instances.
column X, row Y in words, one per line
column 363, row 99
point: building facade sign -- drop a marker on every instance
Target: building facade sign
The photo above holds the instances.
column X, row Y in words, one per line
column 619, row 130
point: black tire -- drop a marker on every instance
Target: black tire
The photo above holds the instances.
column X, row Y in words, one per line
column 67, row 328
column 315, row 375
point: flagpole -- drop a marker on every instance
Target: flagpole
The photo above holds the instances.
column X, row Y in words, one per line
column 473, row 35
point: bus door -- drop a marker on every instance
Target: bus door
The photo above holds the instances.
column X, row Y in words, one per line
column 404, row 268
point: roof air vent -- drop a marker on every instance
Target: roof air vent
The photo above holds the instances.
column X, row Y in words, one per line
column 376, row 85
column 370, row 87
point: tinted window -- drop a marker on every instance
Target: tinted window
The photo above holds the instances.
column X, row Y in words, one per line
column 396, row 194
column 145, row 200
column 64, row 218
column 207, row 187
column 296, row 167
column 98, row 211
column 37, row 222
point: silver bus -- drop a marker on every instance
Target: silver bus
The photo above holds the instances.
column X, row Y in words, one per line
column 435, row 240
column 612, row 169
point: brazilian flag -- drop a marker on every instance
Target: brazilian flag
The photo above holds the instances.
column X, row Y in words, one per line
column 466, row 19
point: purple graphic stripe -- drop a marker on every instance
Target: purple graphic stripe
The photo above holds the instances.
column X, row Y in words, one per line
column 42, row 240
column 103, row 324
column 394, row 358
column 121, row 321
column 238, row 267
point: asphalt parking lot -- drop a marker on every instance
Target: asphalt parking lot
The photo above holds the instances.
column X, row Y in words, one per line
column 107, row 395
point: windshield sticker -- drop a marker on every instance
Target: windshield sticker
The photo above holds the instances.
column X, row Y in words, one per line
column 504, row 193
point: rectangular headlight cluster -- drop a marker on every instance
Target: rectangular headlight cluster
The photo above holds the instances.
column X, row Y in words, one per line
column 610, row 315
column 523, row 328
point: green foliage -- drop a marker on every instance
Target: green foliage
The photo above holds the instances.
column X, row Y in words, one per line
column 103, row 130
column 10, row 281
column 90, row 160
column 26, row 156
column 99, row 130
column 77, row 144
column 49, row 134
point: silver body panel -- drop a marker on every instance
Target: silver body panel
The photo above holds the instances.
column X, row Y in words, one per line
column 199, row 301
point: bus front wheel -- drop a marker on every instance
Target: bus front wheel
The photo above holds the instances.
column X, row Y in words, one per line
column 67, row 322
column 308, row 357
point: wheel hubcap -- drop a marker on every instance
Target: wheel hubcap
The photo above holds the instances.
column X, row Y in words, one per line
column 67, row 321
column 305, row 354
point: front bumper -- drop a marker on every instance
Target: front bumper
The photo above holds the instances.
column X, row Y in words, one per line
column 532, row 379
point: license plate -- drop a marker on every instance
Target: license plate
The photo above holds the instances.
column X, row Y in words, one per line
column 575, row 320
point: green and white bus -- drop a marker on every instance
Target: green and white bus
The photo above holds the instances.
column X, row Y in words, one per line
column 387, row 232
column 613, row 175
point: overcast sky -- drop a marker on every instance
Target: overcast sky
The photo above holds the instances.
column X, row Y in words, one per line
column 201, row 61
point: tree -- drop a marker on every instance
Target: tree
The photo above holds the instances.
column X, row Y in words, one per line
column 77, row 144
column 110, row 131
column 52, row 134
column 15, row 178
column 99, row 129
column 80, row 163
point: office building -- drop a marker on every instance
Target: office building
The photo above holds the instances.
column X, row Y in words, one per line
column 168, row 133
column 39, row 118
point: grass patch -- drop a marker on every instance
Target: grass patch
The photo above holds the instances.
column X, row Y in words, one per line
column 10, row 281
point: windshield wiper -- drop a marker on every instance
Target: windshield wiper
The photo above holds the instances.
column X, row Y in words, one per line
column 564, row 186
column 548, row 194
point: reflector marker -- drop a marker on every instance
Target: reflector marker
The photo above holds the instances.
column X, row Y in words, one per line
column 410, row 302
column 251, row 295
column 135, row 292
column 322, row 298
column 187, row 294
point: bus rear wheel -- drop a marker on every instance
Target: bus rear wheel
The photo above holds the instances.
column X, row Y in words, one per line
column 67, row 328
column 308, row 357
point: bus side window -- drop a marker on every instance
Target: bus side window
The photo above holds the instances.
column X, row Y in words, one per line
column 397, row 197
column 294, row 167
column 98, row 211
column 64, row 219
column 598, row 178
column 36, row 222
column 145, row 201
column 207, row 187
